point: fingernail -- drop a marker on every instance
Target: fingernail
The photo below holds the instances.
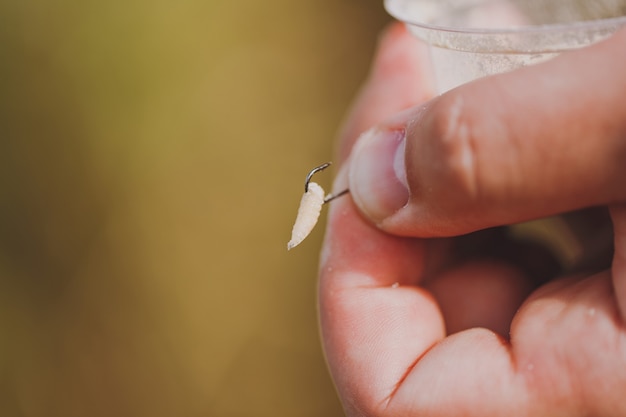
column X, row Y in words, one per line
column 377, row 174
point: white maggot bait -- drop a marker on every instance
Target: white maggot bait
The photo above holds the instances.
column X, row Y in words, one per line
column 310, row 208
column 308, row 213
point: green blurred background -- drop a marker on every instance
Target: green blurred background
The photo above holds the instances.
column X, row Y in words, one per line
column 152, row 155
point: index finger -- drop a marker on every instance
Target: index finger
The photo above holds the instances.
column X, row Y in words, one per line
column 385, row 338
column 375, row 325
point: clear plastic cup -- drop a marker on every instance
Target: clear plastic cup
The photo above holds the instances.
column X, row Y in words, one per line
column 470, row 39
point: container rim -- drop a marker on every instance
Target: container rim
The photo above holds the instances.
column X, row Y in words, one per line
column 394, row 9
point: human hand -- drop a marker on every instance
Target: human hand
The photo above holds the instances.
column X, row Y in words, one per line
column 413, row 323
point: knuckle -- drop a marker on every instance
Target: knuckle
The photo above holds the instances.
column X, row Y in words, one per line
column 453, row 135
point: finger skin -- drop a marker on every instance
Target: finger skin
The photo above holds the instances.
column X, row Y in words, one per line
column 482, row 293
column 569, row 341
column 374, row 323
column 518, row 146
column 384, row 335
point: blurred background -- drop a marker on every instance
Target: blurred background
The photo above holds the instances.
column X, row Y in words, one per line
column 152, row 157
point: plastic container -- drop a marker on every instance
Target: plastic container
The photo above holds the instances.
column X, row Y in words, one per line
column 474, row 38
column 470, row 39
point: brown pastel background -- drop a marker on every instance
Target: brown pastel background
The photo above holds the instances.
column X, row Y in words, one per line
column 152, row 155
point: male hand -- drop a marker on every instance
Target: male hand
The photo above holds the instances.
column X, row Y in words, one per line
column 419, row 322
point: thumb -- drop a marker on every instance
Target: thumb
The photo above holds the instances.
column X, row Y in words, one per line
column 513, row 147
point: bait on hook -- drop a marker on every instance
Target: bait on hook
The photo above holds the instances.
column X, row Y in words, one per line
column 310, row 207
